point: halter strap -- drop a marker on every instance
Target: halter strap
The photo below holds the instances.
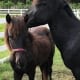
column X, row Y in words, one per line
column 19, row 49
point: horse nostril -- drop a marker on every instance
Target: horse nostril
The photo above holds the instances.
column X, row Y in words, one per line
column 19, row 60
column 18, row 64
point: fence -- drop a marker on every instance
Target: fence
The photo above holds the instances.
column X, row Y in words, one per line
column 77, row 12
column 21, row 11
column 12, row 11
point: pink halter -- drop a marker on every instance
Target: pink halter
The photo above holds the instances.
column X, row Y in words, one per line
column 19, row 49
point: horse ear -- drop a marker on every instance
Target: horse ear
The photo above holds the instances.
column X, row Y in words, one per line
column 8, row 18
column 26, row 18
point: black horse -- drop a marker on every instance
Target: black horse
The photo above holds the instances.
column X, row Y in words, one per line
column 64, row 26
column 30, row 48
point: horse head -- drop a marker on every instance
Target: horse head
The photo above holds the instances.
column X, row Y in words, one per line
column 43, row 11
column 16, row 36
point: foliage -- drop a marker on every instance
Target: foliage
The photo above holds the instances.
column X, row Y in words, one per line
column 6, row 4
column 75, row 5
column 11, row 4
column 2, row 4
column 20, row 4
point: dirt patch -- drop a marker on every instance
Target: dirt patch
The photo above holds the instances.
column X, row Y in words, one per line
column 56, row 75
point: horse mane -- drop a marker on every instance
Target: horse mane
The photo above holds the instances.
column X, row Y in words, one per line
column 69, row 11
column 7, row 38
column 34, row 2
column 16, row 27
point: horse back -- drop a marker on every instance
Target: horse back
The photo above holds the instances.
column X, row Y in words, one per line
column 41, row 32
column 42, row 43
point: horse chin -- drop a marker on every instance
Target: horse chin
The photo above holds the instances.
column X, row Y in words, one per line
column 21, row 66
column 18, row 60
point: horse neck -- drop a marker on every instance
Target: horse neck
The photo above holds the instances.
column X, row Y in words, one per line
column 66, row 27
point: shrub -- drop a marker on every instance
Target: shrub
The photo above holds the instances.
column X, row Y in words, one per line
column 9, row 4
column 75, row 5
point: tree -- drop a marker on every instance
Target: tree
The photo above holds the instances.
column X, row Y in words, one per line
column 23, row 1
column 15, row 1
column 75, row 1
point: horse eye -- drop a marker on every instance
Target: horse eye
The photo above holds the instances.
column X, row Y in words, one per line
column 10, row 35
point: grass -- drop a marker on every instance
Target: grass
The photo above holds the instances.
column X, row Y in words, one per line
column 4, row 53
column 5, row 69
column 58, row 62
column 60, row 72
column 2, row 16
column 5, row 72
column 2, row 27
column 1, row 41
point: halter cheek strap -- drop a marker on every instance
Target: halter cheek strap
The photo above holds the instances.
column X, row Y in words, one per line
column 19, row 49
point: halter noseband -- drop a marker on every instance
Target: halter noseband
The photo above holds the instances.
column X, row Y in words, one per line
column 18, row 50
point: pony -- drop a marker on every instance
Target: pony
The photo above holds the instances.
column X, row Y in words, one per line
column 64, row 27
column 29, row 48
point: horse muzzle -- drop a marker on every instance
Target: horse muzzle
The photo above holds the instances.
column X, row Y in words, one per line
column 19, row 57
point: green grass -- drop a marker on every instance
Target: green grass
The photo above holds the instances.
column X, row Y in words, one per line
column 60, row 72
column 4, row 54
column 2, row 41
column 2, row 16
column 5, row 72
column 58, row 62
column 2, row 27
column 5, row 69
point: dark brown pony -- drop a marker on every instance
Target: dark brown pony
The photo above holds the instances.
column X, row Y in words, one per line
column 30, row 48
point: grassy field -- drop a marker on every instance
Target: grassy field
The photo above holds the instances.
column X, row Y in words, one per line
column 4, row 54
column 1, row 41
column 2, row 16
column 60, row 72
column 2, row 27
